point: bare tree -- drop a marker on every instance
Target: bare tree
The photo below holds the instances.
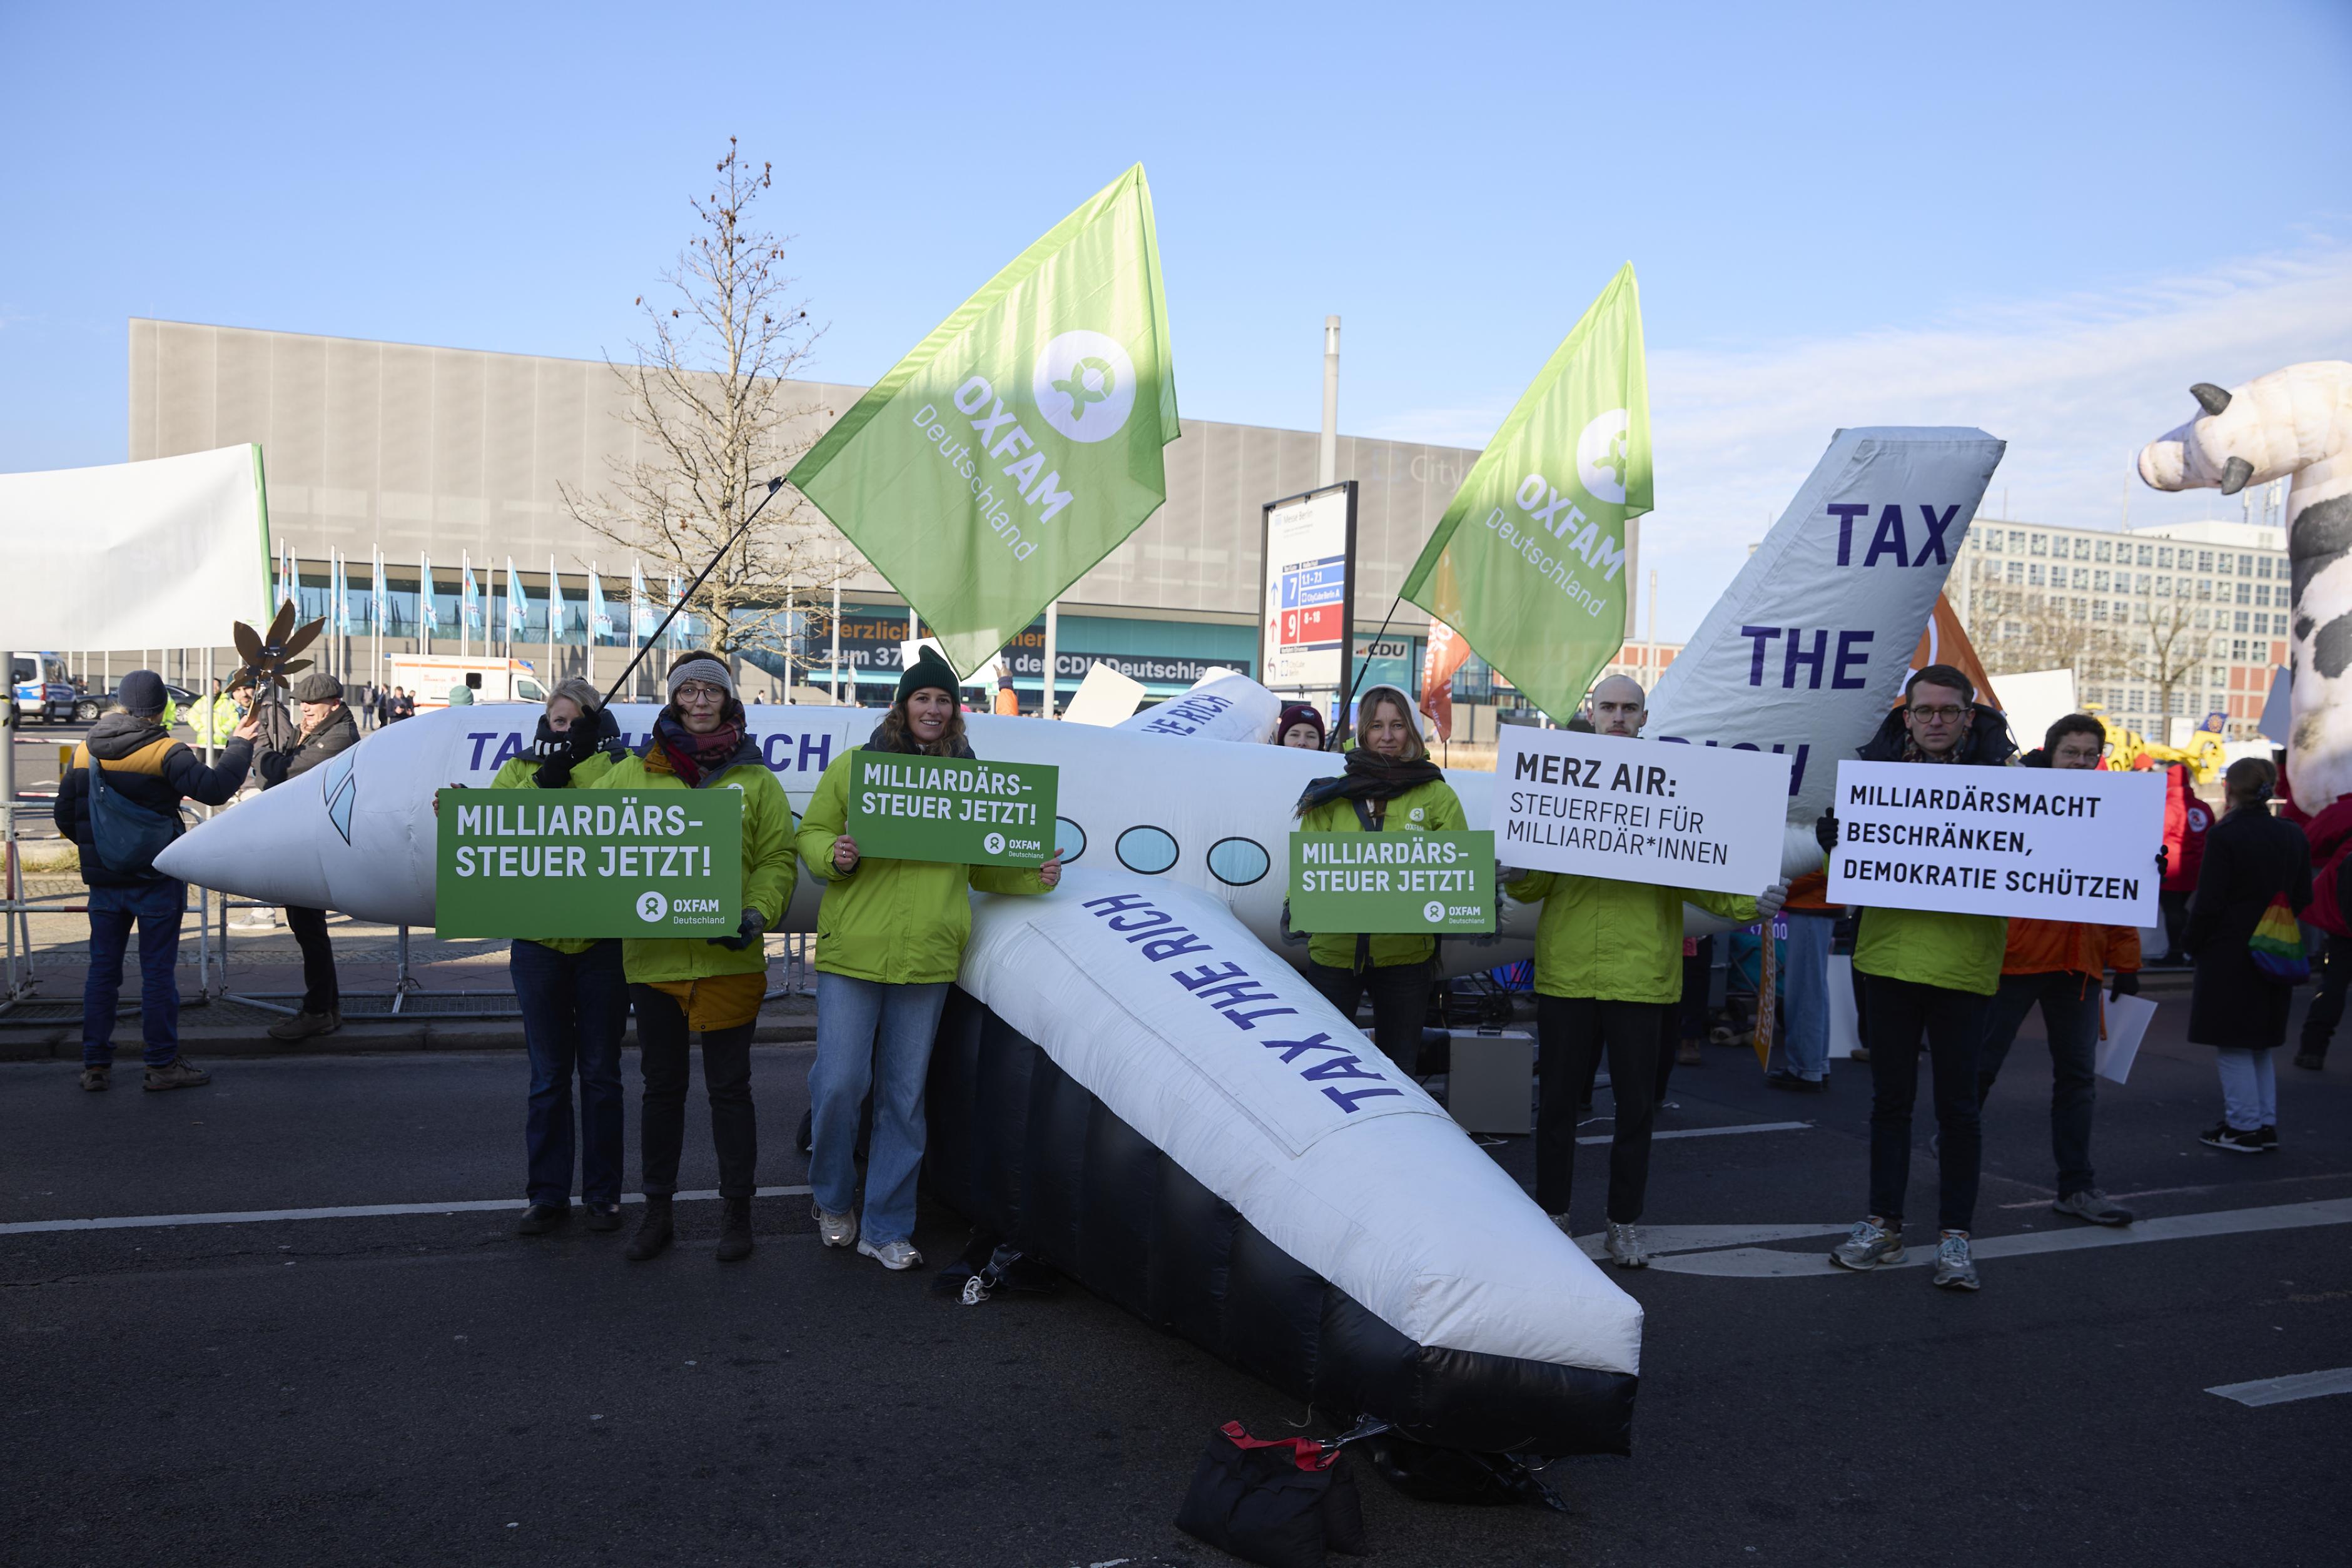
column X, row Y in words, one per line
column 2030, row 629
column 714, row 421
column 2170, row 652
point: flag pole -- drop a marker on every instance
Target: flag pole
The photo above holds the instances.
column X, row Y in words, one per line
column 774, row 484
column 1340, row 719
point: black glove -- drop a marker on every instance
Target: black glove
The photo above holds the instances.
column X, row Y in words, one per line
column 560, row 754
column 2126, row 984
column 2163, row 862
column 1825, row 830
column 754, row 923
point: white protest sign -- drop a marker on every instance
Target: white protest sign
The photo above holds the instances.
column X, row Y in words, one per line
column 2045, row 842
column 2127, row 1021
column 1708, row 818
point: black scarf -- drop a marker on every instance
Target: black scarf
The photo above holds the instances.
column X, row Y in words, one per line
column 1369, row 776
column 880, row 741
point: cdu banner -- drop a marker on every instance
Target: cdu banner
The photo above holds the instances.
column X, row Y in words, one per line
column 1019, row 442
column 1529, row 564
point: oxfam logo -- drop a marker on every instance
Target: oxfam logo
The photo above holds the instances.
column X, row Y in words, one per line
column 651, row 906
column 1434, row 911
column 1084, row 386
column 993, row 843
column 1602, row 464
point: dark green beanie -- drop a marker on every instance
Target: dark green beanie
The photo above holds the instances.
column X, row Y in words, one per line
column 928, row 670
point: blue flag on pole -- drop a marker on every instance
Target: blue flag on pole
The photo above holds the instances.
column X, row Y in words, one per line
column 518, row 607
column 428, row 614
column 599, row 620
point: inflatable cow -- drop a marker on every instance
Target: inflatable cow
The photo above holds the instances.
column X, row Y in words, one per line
column 2294, row 425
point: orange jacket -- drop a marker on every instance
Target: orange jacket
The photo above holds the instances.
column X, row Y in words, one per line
column 2069, row 947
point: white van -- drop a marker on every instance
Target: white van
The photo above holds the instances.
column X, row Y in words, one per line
column 428, row 678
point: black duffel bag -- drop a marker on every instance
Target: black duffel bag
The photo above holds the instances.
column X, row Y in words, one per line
column 1282, row 1503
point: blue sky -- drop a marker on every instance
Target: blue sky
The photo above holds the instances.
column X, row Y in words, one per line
column 2042, row 219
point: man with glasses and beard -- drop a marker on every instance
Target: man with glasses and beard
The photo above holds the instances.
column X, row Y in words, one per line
column 1926, row 973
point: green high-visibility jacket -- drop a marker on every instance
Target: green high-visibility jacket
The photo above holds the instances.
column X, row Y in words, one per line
column 903, row 923
column 214, row 721
column 1932, row 947
column 1431, row 808
column 1614, row 941
column 767, row 869
column 522, row 773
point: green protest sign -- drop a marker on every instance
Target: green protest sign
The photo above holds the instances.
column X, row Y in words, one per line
column 1421, row 884
column 905, row 808
column 589, row 863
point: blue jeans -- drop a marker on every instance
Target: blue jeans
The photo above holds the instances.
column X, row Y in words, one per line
column 574, row 1007
column 1804, row 1045
column 156, row 906
column 870, row 1034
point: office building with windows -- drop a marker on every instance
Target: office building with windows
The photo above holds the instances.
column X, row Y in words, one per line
column 463, row 458
column 2158, row 623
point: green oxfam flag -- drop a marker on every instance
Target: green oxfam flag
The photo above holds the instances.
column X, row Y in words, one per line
column 1529, row 561
column 1021, row 440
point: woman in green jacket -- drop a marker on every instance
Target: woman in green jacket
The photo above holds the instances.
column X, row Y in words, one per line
column 890, row 937
column 1389, row 787
column 713, row 984
column 574, row 1002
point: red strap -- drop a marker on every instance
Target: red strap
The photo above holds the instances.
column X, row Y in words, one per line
column 1305, row 1452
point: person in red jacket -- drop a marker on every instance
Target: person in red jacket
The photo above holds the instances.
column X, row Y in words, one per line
column 2058, row 963
column 2330, row 833
column 2187, row 821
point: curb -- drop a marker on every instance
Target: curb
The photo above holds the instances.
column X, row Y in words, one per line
column 62, row 1042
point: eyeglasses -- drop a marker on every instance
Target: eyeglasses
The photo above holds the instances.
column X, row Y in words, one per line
column 702, row 692
column 1938, row 715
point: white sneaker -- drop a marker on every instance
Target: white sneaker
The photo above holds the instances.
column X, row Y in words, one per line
column 1625, row 1249
column 834, row 1230
column 894, row 1256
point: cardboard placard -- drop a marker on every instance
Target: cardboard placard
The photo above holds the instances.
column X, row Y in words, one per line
column 2044, row 842
column 589, row 863
column 1417, row 883
column 948, row 808
column 1708, row 817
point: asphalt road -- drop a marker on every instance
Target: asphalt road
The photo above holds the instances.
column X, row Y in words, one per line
column 428, row 1388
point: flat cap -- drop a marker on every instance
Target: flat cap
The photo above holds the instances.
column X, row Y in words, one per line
column 318, row 686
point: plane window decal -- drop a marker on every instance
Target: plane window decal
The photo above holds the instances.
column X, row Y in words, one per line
column 1147, row 849
column 1238, row 862
column 1069, row 839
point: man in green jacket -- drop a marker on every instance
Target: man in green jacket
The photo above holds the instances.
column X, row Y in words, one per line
column 1609, row 966
column 1926, row 972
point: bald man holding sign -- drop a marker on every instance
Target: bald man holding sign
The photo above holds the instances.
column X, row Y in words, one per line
column 1609, row 968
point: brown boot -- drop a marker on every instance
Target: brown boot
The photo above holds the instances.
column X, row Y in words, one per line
column 178, row 1073
column 302, row 1026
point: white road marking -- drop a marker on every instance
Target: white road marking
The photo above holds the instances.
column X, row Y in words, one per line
column 1765, row 1263
column 1664, row 1238
column 1711, row 1132
column 356, row 1211
column 2280, row 1390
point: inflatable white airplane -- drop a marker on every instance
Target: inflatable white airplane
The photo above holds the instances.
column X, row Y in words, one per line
column 1133, row 1081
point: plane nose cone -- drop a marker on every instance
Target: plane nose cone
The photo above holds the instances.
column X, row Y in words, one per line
column 319, row 842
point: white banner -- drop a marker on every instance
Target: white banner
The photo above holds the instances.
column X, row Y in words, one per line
column 162, row 554
column 1806, row 651
column 2045, row 842
column 1639, row 811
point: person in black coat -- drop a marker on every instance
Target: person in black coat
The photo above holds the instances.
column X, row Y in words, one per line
column 328, row 729
column 2251, row 858
column 145, row 776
